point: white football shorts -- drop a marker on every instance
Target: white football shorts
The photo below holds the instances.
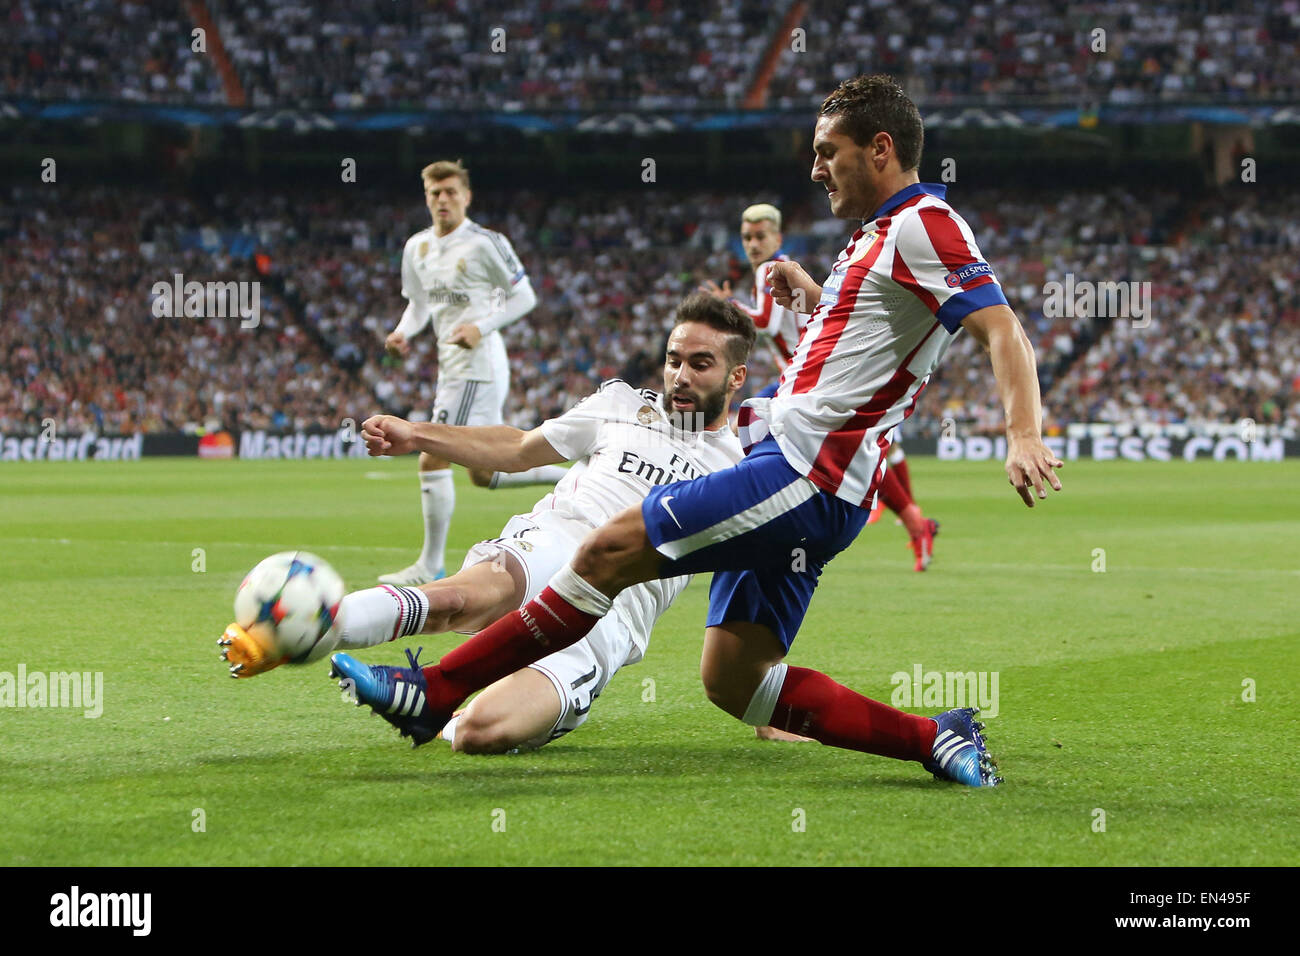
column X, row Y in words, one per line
column 473, row 402
column 581, row 671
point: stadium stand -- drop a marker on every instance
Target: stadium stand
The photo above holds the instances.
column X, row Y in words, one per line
column 598, row 53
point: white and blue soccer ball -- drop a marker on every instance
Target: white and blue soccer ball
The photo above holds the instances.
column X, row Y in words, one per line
column 291, row 600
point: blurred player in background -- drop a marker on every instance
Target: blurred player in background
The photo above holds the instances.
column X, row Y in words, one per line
column 468, row 283
column 760, row 234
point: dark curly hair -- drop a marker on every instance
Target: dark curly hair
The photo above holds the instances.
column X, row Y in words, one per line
column 723, row 315
column 867, row 105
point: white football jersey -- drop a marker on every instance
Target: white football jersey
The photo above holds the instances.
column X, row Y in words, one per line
column 623, row 445
column 461, row 277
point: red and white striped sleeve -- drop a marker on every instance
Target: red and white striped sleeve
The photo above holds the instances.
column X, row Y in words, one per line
column 937, row 260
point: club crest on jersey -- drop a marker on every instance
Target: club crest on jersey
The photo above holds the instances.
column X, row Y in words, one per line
column 422, row 250
column 461, row 267
column 959, row 277
column 645, row 415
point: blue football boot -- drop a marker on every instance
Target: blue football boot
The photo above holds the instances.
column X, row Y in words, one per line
column 959, row 753
column 397, row 694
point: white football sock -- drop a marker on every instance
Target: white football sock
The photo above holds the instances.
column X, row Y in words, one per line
column 761, row 705
column 579, row 593
column 381, row 614
column 437, row 501
column 541, row 475
column 448, row 732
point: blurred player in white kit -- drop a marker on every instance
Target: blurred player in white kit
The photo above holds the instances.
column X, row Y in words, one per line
column 467, row 282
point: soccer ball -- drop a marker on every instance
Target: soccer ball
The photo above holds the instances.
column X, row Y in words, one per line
column 290, row 603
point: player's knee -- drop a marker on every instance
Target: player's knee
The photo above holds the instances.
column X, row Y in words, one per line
column 616, row 555
column 596, row 553
column 480, row 479
column 725, row 694
column 480, row 735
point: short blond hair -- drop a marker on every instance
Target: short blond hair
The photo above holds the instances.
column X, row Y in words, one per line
column 761, row 212
column 444, row 169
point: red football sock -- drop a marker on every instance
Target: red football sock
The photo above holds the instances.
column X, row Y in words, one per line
column 904, row 478
column 892, row 492
column 546, row 624
column 896, row 498
column 812, row 704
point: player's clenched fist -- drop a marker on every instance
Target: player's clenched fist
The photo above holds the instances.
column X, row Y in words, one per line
column 793, row 288
column 396, row 345
column 388, row 435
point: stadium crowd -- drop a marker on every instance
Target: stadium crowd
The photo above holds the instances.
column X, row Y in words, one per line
column 584, row 54
column 1224, row 343
column 80, row 342
column 1001, row 50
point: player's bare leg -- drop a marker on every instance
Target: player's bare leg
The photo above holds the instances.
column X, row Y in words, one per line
column 470, row 599
column 540, row 475
column 736, row 658
column 771, row 733
column 474, row 597
column 617, row 555
column 514, row 711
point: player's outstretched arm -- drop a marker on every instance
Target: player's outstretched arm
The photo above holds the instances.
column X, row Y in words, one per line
column 487, row 447
column 1028, row 460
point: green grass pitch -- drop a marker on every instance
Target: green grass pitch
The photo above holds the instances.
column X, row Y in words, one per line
column 1122, row 692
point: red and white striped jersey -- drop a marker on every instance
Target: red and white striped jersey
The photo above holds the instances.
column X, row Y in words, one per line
column 780, row 325
column 889, row 309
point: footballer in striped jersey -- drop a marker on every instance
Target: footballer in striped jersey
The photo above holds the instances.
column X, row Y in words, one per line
column 760, row 235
